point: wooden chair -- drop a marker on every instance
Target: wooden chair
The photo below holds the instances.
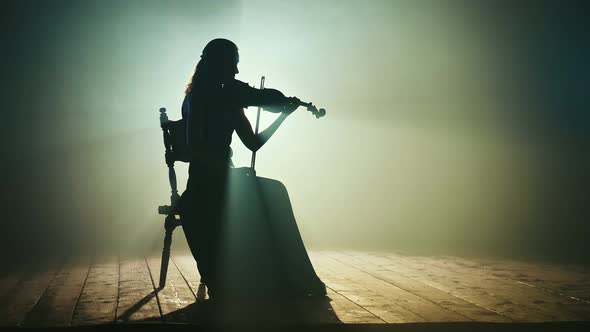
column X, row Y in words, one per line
column 176, row 150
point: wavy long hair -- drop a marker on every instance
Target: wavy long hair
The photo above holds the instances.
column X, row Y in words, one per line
column 218, row 63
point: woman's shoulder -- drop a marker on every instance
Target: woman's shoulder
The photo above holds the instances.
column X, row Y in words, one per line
column 239, row 85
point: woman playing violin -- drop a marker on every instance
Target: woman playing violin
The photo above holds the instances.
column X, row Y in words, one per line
column 213, row 108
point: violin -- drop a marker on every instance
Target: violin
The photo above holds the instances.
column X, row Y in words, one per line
column 314, row 110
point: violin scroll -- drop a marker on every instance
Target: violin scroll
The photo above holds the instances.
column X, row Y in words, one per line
column 314, row 110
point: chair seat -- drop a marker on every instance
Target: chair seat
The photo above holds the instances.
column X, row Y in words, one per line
column 168, row 210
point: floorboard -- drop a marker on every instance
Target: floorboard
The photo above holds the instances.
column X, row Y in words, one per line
column 416, row 308
column 56, row 306
column 365, row 297
column 22, row 297
column 558, row 307
column 512, row 301
column 349, row 312
column 98, row 301
column 569, row 281
column 137, row 295
column 443, row 299
column 373, row 288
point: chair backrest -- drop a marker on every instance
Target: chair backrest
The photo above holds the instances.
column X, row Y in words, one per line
column 174, row 139
column 176, row 150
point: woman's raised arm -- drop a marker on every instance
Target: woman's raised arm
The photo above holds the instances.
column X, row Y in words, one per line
column 255, row 142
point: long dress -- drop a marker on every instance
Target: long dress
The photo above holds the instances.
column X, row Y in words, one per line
column 240, row 227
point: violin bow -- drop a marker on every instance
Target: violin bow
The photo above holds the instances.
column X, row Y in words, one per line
column 253, row 161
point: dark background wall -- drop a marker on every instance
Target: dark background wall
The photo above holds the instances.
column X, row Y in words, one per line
column 453, row 127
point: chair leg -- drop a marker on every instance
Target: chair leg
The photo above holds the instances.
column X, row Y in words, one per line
column 169, row 225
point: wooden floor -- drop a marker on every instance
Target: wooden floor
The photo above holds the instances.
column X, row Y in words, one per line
column 362, row 288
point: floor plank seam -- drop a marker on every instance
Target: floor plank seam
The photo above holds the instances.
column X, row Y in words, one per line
column 375, row 293
column 425, row 299
column 487, row 266
column 80, row 295
column 118, row 288
column 184, row 278
column 491, row 275
column 454, row 295
column 426, row 285
column 518, row 304
column 57, row 272
column 358, row 305
column 547, row 290
column 392, row 301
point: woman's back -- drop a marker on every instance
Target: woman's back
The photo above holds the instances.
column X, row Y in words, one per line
column 210, row 122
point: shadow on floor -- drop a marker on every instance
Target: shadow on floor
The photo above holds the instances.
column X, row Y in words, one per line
column 404, row 327
column 308, row 311
column 124, row 317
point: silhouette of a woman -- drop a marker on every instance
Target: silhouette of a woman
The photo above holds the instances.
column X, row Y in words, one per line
column 213, row 108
